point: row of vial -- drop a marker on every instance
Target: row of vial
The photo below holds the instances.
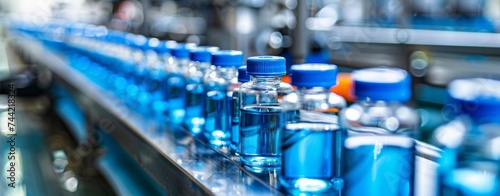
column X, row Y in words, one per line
column 309, row 133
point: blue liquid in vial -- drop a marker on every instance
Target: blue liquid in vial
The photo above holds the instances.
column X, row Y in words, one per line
column 120, row 85
column 176, row 92
column 260, row 135
column 132, row 90
column 235, row 121
column 194, row 119
column 138, row 98
column 379, row 165
column 138, row 76
column 153, row 82
column 111, row 80
column 309, row 156
column 217, row 117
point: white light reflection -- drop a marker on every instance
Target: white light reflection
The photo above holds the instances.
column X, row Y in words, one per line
column 71, row 184
column 276, row 40
column 311, row 185
column 245, row 21
column 391, row 124
column 352, row 114
column 450, row 135
column 325, row 18
column 493, row 147
column 400, row 141
column 475, row 181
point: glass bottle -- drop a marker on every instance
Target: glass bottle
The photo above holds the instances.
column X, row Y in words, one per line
column 470, row 163
column 218, row 87
column 201, row 59
column 262, row 119
column 175, row 83
column 235, row 109
column 312, row 140
column 380, row 146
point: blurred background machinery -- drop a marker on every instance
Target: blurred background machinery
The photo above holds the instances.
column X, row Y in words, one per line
column 349, row 33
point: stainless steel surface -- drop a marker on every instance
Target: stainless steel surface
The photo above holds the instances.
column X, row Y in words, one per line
column 300, row 36
column 426, row 176
column 357, row 56
column 448, row 67
column 179, row 163
column 453, row 54
column 413, row 36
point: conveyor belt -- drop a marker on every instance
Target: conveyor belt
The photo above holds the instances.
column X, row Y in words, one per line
column 178, row 163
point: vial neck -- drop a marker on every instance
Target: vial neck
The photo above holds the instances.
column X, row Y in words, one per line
column 183, row 61
column 375, row 102
column 266, row 79
column 220, row 68
column 226, row 72
column 313, row 90
column 203, row 66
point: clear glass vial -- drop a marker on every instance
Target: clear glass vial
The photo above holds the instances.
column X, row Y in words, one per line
column 312, row 140
column 470, row 164
column 235, row 109
column 380, row 145
column 218, row 87
column 156, row 72
column 201, row 59
column 181, row 53
column 175, row 83
column 137, row 96
column 262, row 120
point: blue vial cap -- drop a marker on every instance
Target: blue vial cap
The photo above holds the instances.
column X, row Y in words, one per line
column 314, row 75
column 478, row 98
column 382, row 84
column 227, row 58
column 203, row 53
column 242, row 74
column 182, row 51
column 266, row 65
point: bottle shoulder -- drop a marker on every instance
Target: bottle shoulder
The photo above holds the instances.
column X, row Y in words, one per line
column 281, row 87
column 251, row 93
column 381, row 118
column 224, row 76
column 328, row 102
column 194, row 68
